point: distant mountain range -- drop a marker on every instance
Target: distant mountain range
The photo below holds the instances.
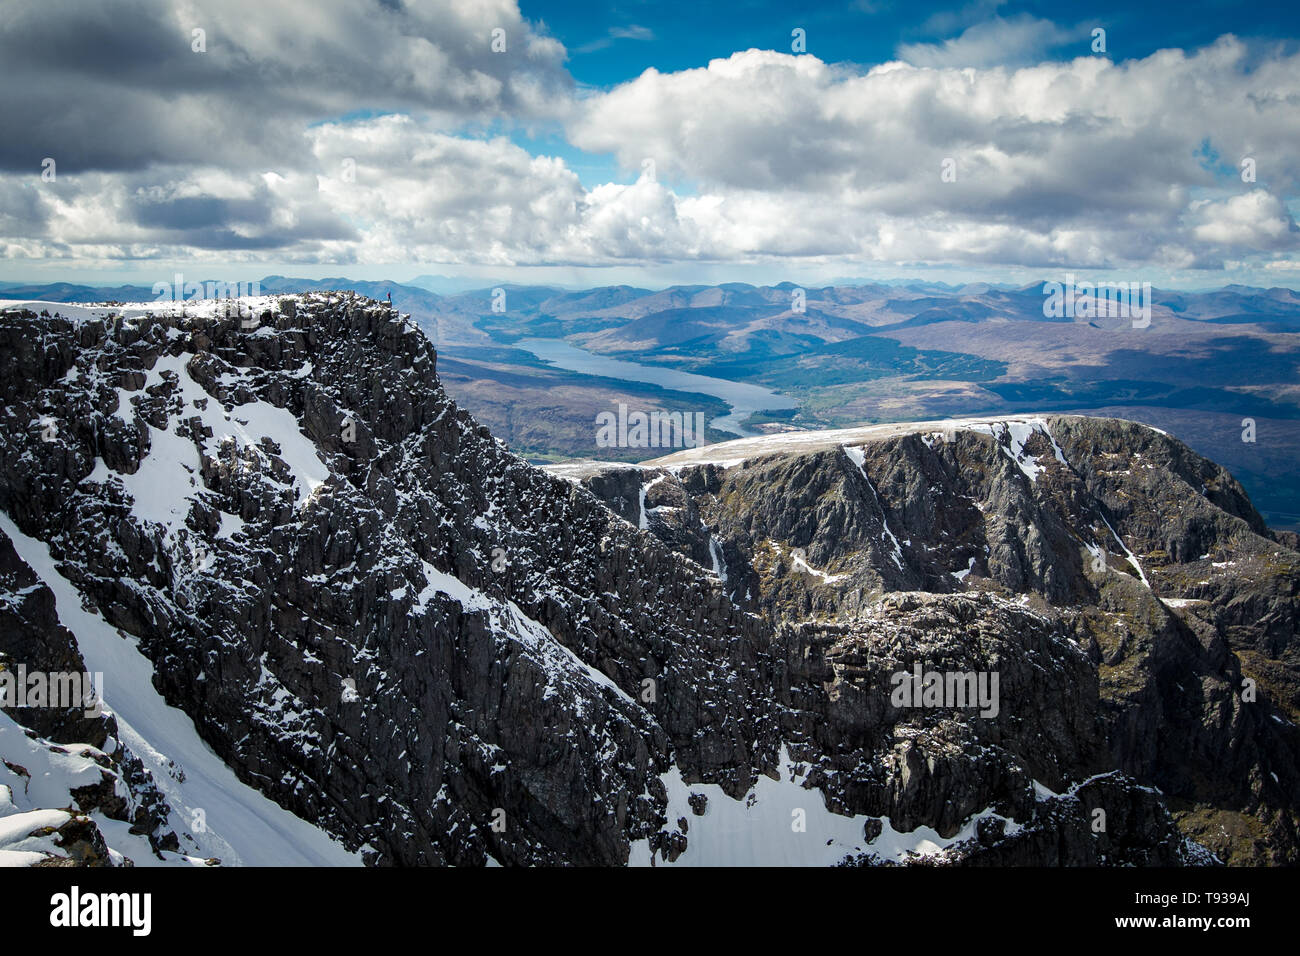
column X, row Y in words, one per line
column 852, row 353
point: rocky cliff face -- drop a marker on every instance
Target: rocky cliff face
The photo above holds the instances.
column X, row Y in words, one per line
column 373, row 612
column 1140, row 614
column 382, row 621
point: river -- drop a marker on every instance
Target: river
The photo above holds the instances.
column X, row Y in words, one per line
column 743, row 398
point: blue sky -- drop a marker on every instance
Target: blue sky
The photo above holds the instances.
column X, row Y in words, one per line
column 609, row 44
column 651, row 143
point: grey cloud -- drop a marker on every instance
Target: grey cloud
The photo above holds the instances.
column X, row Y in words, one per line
column 1013, row 41
column 23, row 212
column 116, row 86
column 199, row 212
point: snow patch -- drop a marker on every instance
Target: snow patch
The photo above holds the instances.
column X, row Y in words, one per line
column 859, row 458
column 757, row 830
column 242, row 825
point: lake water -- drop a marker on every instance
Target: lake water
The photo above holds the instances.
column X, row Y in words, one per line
column 743, row 398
